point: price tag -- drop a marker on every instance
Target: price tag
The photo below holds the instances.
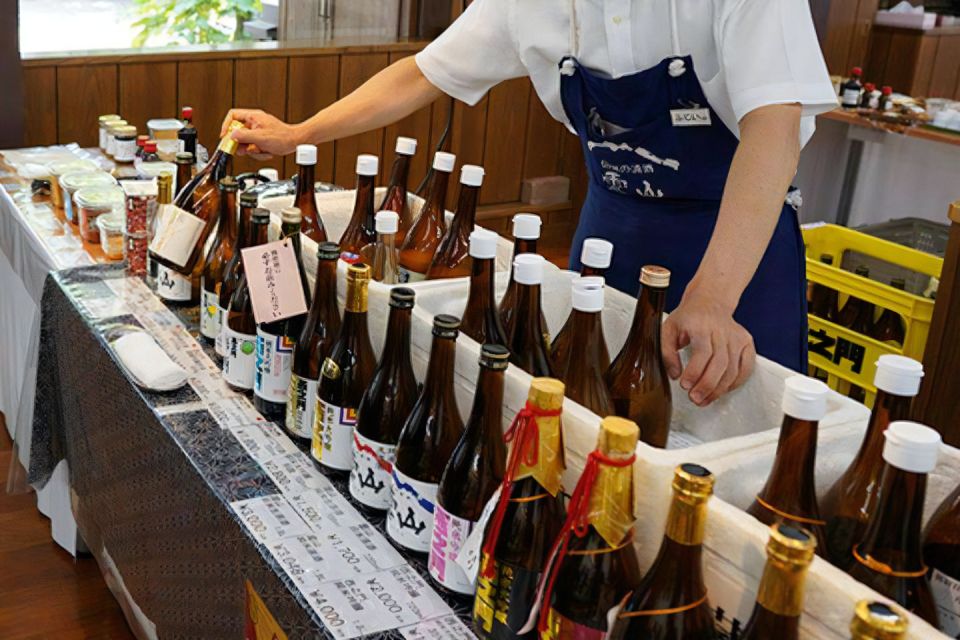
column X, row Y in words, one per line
column 469, row 556
column 325, row 509
column 210, row 385
column 234, row 412
column 294, row 474
column 264, row 441
column 177, row 234
column 274, row 281
column 445, row 628
column 367, row 543
column 270, row 518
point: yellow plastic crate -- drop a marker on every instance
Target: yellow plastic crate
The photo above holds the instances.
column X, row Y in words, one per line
column 849, row 357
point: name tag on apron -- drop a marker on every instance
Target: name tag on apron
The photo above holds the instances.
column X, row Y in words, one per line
column 690, row 117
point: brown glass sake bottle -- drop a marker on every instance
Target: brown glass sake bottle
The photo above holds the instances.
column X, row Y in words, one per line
column 480, row 319
column 637, row 378
column 344, row 376
column 528, row 349
column 823, row 300
column 889, row 327
column 515, row 552
column 234, row 267
column 362, row 228
column 452, row 259
column 596, row 255
column 857, row 314
column 305, row 199
column 221, row 251
column 427, row 230
column 396, row 197
column 941, row 552
column 877, row 621
column 575, row 356
column 776, row 613
column 526, row 232
column 320, row 329
column 384, row 408
column 474, row 472
column 426, row 442
column 889, row 558
column 850, row 502
column 789, row 494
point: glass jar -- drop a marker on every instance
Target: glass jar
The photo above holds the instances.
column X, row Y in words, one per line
column 111, row 226
column 135, row 252
column 64, row 167
column 105, row 122
column 70, row 183
column 92, row 203
column 111, row 132
column 124, row 143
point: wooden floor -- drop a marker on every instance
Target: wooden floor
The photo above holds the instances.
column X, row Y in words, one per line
column 44, row 592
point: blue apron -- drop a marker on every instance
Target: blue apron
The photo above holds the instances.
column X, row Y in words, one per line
column 655, row 189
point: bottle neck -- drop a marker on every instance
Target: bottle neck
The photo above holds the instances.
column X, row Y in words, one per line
column 184, row 175
column 305, row 180
column 522, row 245
column 439, row 379
column 781, row 588
column 388, row 240
column 436, row 199
column 793, row 466
column 291, row 231
column 644, row 334
column 396, row 348
column 484, row 429
column 592, row 271
column 258, row 234
column 400, row 172
column 228, row 216
column 587, row 329
column 528, row 306
column 245, row 227
column 466, row 215
column 887, row 408
column 356, row 302
column 324, row 291
column 893, row 536
column 363, row 208
column 482, row 285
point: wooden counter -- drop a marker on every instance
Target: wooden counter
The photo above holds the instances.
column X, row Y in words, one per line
column 847, row 117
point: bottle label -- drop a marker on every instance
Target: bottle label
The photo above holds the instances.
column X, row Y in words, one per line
column 239, row 358
column 274, row 359
column 410, row 521
column 125, row 150
column 874, row 102
column 850, row 98
column 300, row 408
column 504, row 601
column 333, row 435
column 449, row 535
column 559, row 626
column 172, row 285
column 370, row 481
column 946, row 593
column 405, row 275
column 177, row 234
column 211, row 315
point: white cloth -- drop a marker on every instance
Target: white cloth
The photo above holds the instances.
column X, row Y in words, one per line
column 148, row 363
column 747, row 53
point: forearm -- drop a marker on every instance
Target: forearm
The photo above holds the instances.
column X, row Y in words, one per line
column 763, row 166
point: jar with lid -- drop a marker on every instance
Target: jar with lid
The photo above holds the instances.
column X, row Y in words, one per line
column 64, row 167
column 104, row 122
column 111, row 132
column 92, row 203
column 125, row 143
column 70, row 183
column 111, row 226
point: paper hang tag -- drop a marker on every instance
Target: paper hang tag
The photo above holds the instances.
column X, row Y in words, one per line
column 273, row 277
column 690, row 117
column 469, row 556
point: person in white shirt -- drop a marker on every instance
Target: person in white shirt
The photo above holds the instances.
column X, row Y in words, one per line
column 691, row 115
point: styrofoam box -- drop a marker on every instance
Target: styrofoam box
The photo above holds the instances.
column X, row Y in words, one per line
column 735, row 437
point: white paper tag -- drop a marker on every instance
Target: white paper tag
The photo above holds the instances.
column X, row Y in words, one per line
column 946, row 593
column 264, row 441
column 273, row 277
column 445, row 628
column 690, row 117
column 325, row 509
column 294, row 474
column 470, row 552
column 270, row 518
column 177, row 234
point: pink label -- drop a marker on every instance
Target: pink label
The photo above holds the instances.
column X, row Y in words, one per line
column 274, row 281
column 449, row 535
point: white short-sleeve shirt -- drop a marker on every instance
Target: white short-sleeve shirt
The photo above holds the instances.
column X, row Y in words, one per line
column 746, row 53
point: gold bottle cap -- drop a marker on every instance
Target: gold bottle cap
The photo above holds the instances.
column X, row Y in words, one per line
column 113, row 124
column 165, row 188
column 618, row 436
column 693, row 481
column 653, row 276
column 791, row 545
column 358, row 272
column 877, row 621
column 228, row 144
column 546, row 393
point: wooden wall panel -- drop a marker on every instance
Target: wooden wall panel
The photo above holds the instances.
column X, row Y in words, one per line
column 312, row 85
column 207, row 86
column 148, row 91
column 505, row 141
column 355, row 69
column 416, row 125
column 841, row 25
column 923, row 66
column 901, row 62
column 878, row 52
column 946, row 69
column 261, row 83
column 83, row 94
column 542, row 154
column 40, row 106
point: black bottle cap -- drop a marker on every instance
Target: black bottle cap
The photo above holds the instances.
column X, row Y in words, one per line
column 248, row 199
column 494, row 356
column 446, row 326
column 261, row 216
column 328, row 251
column 695, row 469
column 184, row 157
column 402, row 297
column 228, row 184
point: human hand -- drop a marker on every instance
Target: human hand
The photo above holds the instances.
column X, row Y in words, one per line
column 264, row 135
column 722, row 355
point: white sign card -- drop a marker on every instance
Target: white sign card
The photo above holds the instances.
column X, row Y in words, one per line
column 273, row 277
column 270, row 518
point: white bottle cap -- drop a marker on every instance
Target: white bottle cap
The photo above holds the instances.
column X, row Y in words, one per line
column 526, row 226
column 898, row 375
column 367, row 165
column 306, row 154
column 587, row 295
column 653, row 276
column 483, row 244
column 590, row 281
column 596, row 253
column 805, row 398
column 270, row 174
column 528, row 268
column 471, row 175
column 289, row 215
column 387, row 221
column 406, row 146
column 911, row 446
column 443, row 161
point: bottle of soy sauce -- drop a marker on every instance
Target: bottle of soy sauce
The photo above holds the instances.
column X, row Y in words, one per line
column 850, row 90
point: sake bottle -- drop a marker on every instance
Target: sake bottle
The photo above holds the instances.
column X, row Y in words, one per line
column 525, row 339
column 452, row 259
column 889, row 558
column 941, row 552
column 384, row 408
column 877, row 621
column 428, row 228
column 823, row 299
column 305, row 198
column 596, row 254
column 790, row 490
column 382, row 255
column 526, row 232
column 671, row 601
column 857, row 314
column 221, row 251
column 361, row 230
column 474, row 472
column 426, row 442
column 637, row 379
column 575, row 356
column 851, row 500
column 314, row 343
column 526, row 520
column 344, row 375
column 234, row 267
column 240, row 327
column 776, row 613
column 480, row 319
column 889, row 327
column 396, row 196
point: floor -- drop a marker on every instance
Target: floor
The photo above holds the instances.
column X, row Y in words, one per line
column 44, row 592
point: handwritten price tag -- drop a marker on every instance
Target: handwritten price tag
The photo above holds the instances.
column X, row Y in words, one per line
column 270, row 518
column 274, row 281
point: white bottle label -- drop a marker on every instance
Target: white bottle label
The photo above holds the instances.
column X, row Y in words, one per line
column 103, row 139
column 211, row 315
column 125, row 150
column 449, row 535
column 333, row 435
column 300, row 408
column 274, row 359
column 946, row 593
column 177, row 234
column 410, row 520
column 239, row 358
column 851, row 97
column 370, row 481
column 172, row 285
